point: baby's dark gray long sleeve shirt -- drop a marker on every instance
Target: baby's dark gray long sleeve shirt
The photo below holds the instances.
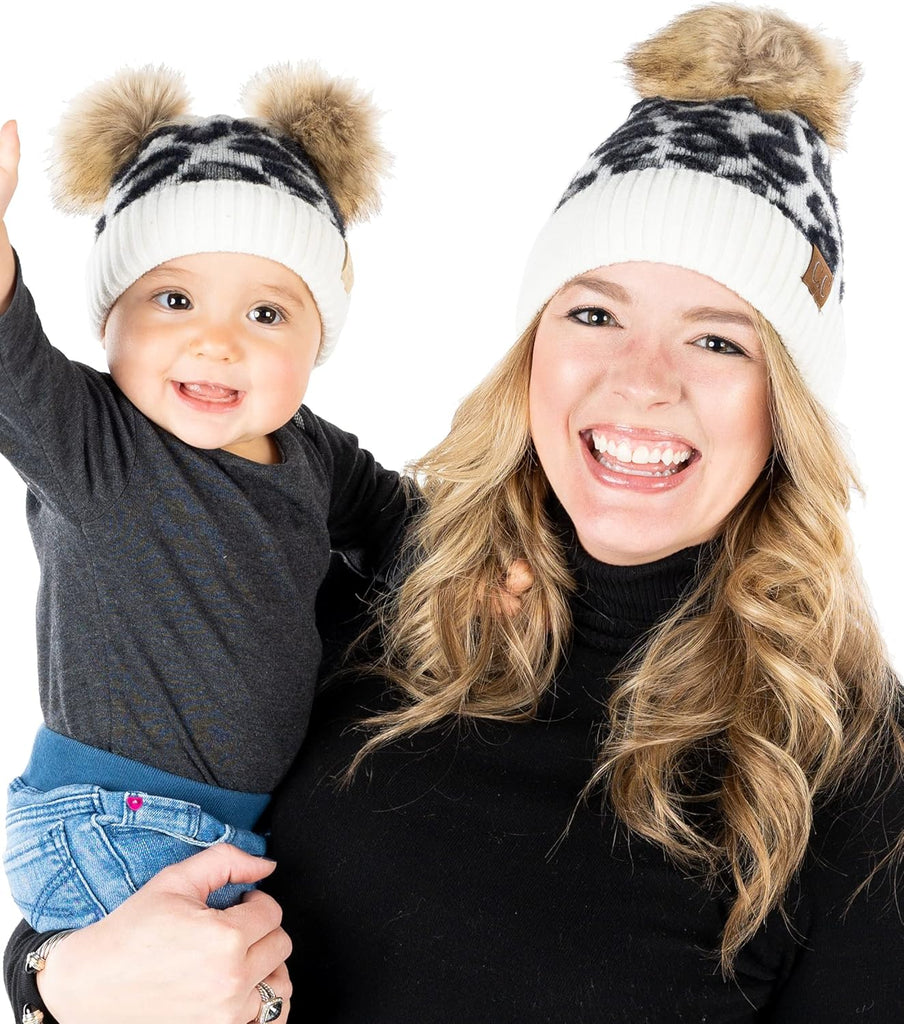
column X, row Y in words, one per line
column 175, row 614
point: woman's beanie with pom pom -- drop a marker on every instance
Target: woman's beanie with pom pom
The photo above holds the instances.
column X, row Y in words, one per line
column 721, row 168
column 282, row 184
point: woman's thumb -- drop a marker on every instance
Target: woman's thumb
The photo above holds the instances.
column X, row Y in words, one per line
column 198, row 876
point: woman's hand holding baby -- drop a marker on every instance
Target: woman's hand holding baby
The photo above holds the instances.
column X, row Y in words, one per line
column 176, row 960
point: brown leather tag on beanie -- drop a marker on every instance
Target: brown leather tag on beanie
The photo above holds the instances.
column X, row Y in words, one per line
column 347, row 274
column 818, row 278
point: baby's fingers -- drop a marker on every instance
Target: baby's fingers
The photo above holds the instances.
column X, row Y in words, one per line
column 518, row 580
column 9, row 146
column 9, row 164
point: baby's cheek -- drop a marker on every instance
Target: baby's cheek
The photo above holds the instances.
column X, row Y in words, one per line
column 289, row 383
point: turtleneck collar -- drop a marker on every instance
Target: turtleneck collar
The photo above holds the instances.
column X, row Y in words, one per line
column 615, row 606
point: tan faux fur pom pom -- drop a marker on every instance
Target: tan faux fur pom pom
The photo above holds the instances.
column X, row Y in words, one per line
column 103, row 128
column 726, row 50
column 334, row 121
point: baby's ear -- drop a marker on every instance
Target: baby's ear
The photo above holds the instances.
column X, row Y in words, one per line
column 334, row 121
column 103, row 129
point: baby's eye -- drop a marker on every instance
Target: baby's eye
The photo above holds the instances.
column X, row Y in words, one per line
column 266, row 315
column 713, row 343
column 173, row 300
column 594, row 316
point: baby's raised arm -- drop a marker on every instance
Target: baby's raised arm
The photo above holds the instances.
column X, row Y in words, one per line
column 9, row 176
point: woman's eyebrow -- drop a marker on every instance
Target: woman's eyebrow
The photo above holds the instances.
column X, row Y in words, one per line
column 723, row 315
column 607, row 288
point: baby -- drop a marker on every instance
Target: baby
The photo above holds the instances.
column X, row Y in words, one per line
column 182, row 506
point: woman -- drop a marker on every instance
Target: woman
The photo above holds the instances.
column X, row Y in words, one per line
column 694, row 656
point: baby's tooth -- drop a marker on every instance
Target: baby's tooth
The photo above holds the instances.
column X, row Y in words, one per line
column 624, row 452
column 611, row 448
column 641, row 456
column 668, row 456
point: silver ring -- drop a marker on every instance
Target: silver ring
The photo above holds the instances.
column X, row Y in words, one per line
column 271, row 1004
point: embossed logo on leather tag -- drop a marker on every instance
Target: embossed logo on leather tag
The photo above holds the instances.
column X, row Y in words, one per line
column 818, row 278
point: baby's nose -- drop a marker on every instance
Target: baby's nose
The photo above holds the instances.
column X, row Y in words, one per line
column 216, row 342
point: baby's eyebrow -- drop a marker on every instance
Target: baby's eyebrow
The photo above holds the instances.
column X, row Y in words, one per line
column 169, row 272
column 288, row 294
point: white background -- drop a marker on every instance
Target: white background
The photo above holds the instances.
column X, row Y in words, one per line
column 490, row 108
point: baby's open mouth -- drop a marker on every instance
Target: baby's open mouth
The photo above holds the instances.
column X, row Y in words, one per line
column 206, row 392
column 639, row 457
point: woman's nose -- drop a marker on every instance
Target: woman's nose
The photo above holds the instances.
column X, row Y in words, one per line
column 641, row 372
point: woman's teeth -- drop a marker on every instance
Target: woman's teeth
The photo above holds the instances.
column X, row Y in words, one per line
column 669, row 458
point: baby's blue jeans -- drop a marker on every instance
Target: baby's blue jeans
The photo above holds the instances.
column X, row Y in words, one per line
column 75, row 853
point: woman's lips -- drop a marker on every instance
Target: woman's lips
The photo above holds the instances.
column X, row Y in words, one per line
column 638, row 459
column 208, row 396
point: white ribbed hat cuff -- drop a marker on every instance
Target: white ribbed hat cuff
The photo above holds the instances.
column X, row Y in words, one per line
column 221, row 216
column 695, row 220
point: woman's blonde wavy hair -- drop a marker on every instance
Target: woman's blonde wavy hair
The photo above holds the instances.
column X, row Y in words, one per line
column 773, row 665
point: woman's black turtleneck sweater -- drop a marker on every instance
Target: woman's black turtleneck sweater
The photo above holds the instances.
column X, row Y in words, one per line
column 438, row 888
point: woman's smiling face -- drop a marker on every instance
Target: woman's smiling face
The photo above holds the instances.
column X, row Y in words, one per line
column 649, row 407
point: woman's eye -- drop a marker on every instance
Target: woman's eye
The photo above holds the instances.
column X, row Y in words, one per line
column 594, row 316
column 173, row 300
column 266, row 315
column 713, row 343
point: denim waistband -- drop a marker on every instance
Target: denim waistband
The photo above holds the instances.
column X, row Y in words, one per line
column 58, row 760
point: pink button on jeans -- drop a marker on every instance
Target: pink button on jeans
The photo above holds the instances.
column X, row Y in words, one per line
column 134, row 802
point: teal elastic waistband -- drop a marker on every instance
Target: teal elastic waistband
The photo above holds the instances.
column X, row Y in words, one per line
column 57, row 760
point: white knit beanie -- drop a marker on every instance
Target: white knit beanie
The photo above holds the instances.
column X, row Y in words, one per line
column 722, row 168
column 282, row 184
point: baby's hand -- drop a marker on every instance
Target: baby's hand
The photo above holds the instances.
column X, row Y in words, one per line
column 9, row 164
column 518, row 580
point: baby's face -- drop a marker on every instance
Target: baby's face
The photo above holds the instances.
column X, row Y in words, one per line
column 216, row 348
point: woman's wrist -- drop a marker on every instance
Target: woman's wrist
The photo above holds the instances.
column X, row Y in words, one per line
column 49, row 962
column 36, row 960
column 26, row 960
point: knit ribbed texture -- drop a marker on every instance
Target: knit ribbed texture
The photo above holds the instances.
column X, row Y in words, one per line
column 221, row 184
column 58, row 760
column 221, row 216
column 706, row 224
column 721, row 188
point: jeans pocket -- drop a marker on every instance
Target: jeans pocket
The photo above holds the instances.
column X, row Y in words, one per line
column 48, row 885
column 145, row 850
column 30, row 811
column 161, row 830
